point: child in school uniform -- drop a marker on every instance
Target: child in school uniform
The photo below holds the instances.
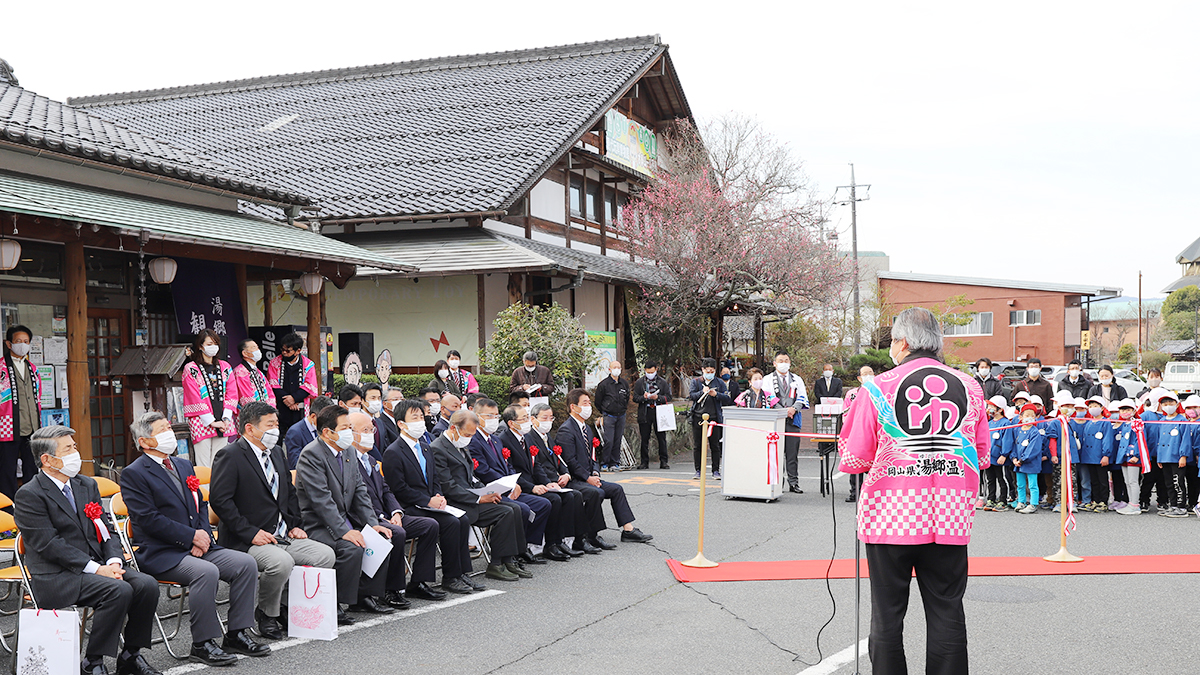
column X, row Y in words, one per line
column 1095, row 454
column 1153, row 478
column 998, row 491
column 1126, row 453
column 1025, row 450
column 1172, row 448
column 1065, row 409
column 1191, row 410
column 1048, row 477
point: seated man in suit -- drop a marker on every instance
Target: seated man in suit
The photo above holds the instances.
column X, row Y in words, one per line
column 449, row 405
column 75, row 558
column 579, row 444
column 486, row 449
column 565, row 506
column 252, row 493
column 550, row 467
column 411, row 475
column 379, row 407
column 456, row 473
column 169, row 518
column 305, row 431
column 433, row 407
column 404, row 527
column 334, row 506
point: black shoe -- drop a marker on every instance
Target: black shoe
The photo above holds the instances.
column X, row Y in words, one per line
column 396, row 599
column 582, row 544
column 599, row 542
column 97, row 668
column 795, row 488
column 456, row 585
column 242, row 642
column 210, row 654
column 370, row 605
column 268, row 626
column 562, row 548
column 553, row 552
column 643, row 466
column 636, row 536
column 136, row 665
column 424, row 591
column 851, row 498
column 475, row 585
column 343, row 618
column 664, row 466
column 527, row 559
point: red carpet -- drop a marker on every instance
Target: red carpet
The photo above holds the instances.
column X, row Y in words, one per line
column 785, row 570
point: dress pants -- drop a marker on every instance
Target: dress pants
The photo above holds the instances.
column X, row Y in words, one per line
column 942, row 577
column 540, row 507
column 590, row 519
column 12, row 452
column 207, row 449
column 507, row 536
column 644, row 430
column 614, row 431
column 135, row 596
column 352, row 584
column 275, row 564
column 425, row 531
column 714, row 446
column 453, row 538
column 565, row 508
column 791, row 455
column 201, row 576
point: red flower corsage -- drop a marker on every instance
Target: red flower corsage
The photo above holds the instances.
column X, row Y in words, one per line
column 93, row 512
column 595, row 443
column 506, row 453
column 533, row 451
column 474, row 464
column 193, row 483
column 558, row 450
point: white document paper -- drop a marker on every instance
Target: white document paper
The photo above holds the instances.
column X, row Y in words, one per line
column 664, row 416
column 555, row 487
column 452, row 510
column 499, row 486
column 534, row 400
column 377, row 550
column 55, row 351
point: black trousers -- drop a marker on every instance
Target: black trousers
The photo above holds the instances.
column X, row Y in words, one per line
column 589, row 520
column 1176, row 484
column 454, row 539
column 791, row 455
column 352, row 584
column 1193, row 484
column 645, row 429
column 128, row 602
column 565, row 510
column 997, row 485
column 942, row 577
column 1098, row 475
column 714, row 446
column 425, row 531
column 1120, row 493
column 507, row 536
column 615, row 494
column 1154, row 479
column 12, row 452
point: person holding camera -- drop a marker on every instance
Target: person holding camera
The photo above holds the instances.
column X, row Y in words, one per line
column 708, row 394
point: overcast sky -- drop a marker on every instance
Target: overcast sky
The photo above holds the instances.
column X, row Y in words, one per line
column 1025, row 140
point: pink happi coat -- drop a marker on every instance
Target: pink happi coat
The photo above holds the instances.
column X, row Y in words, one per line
column 7, row 393
column 920, row 434
column 250, row 384
column 197, row 400
column 308, row 379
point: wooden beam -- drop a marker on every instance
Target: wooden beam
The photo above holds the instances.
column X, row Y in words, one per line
column 314, row 331
column 479, row 290
column 268, row 310
column 78, row 384
column 239, row 273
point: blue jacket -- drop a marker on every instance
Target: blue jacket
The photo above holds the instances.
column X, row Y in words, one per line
column 492, row 465
column 1028, row 446
column 1125, row 445
column 163, row 520
column 295, row 439
column 998, row 438
column 1173, row 440
column 1096, row 436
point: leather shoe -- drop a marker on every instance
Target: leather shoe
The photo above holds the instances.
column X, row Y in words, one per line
column 135, row 666
column 210, row 654
column 475, row 585
column 643, row 466
column 796, row 489
column 456, row 585
column 562, row 548
column 396, row 599
column 501, row 573
column 85, row 668
column 268, row 626
column 851, row 498
column 516, row 569
column 586, row 546
column 598, row 542
column 538, row 559
column 370, row 605
column 552, row 552
column 343, row 618
column 635, row 535
column 664, row 466
column 424, row 591
column 242, row 642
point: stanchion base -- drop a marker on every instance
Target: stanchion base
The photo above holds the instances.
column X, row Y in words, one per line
column 699, row 561
column 1063, row 556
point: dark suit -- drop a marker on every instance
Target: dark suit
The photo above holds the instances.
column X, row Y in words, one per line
column 577, row 446
column 413, row 489
column 492, row 466
column 832, row 390
column 295, row 440
column 164, row 518
column 564, row 506
column 456, row 475
column 333, row 501
column 443, row 423
column 386, row 433
column 60, row 541
column 548, row 467
column 648, row 414
column 424, row 530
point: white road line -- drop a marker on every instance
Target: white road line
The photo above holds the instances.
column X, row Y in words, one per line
column 359, row 625
column 833, row 662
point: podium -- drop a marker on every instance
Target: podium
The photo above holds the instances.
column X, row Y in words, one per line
column 746, row 454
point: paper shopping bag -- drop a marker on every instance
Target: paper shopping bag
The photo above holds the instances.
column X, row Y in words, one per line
column 48, row 642
column 376, row 551
column 534, row 400
column 664, row 416
column 312, row 603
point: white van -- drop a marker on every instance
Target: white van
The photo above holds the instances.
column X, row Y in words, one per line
column 1182, row 377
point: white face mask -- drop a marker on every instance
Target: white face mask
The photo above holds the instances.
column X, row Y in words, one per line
column 783, row 367
column 345, row 438
column 586, row 412
column 828, row 374
column 367, row 441
column 256, row 356
column 530, row 369
column 270, row 438
column 453, row 363
column 461, row 442
column 544, row 426
column 211, row 350
column 1094, row 410
column 985, row 373
column 895, row 356
column 166, row 442
column 525, row 427
column 374, row 407
column 353, row 408
column 21, row 349
column 414, row 429
column 868, row 378
column 490, row 426
column 1153, row 382
column 1169, row 409
column 1106, row 381
column 616, row 372
column 443, row 373
column 435, row 408
column 1033, row 371
column 756, row 384
column 1074, row 374
column 651, row 376
column 71, row 465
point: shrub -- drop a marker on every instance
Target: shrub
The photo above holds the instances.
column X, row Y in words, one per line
column 554, row 333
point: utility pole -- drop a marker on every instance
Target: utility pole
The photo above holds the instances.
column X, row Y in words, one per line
column 1139, row 353
column 853, row 202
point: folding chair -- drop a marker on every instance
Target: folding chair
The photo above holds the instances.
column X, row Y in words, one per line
column 485, row 547
column 13, row 576
column 85, row 613
column 203, row 474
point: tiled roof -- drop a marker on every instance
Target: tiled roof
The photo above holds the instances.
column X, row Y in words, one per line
column 596, row 266
column 33, row 120
column 1068, row 289
column 462, row 134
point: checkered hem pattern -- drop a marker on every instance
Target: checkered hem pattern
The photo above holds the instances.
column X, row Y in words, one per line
column 916, row 515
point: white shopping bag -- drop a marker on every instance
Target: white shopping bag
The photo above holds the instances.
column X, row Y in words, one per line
column 377, row 550
column 48, row 642
column 312, row 603
column 664, row 416
column 534, row 400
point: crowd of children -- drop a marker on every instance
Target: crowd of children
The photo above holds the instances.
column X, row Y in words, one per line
column 1145, row 447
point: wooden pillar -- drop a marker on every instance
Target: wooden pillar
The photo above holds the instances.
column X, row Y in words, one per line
column 239, row 273
column 268, row 319
column 479, row 291
column 78, row 385
column 314, row 330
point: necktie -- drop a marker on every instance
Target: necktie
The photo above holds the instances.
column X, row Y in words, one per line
column 70, row 497
column 421, row 459
column 273, row 481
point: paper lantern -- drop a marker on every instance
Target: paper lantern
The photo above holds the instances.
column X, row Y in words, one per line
column 10, row 254
column 162, row 270
column 311, row 282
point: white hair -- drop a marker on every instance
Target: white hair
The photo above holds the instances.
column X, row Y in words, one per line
column 919, row 329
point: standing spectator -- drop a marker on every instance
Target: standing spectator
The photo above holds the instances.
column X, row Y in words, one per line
column 788, row 389
column 708, row 394
column 20, row 408
column 305, row 431
column 440, row 383
column 1077, row 382
column 458, row 381
column 249, row 383
column 827, row 386
column 988, row 382
column 293, row 378
column 612, row 399
column 1153, row 381
column 1034, row 383
column 1106, row 387
column 209, row 403
column 532, row 379
column 731, row 383
column 649, row 392
column 865, row 374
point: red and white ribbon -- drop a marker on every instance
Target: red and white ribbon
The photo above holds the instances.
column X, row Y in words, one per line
column 772, row 458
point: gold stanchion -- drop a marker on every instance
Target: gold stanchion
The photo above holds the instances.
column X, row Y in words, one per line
column 1064, row 501
column 700, row 560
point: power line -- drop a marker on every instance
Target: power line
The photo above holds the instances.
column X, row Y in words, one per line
column 853, row 202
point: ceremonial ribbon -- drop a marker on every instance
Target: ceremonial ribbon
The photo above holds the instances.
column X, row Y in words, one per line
column 1069, row 524
column 772, row 458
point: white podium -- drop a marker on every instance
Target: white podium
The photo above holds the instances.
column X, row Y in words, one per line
column 747, row 455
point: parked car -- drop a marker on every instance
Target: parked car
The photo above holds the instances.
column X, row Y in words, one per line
column 1182, row 377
